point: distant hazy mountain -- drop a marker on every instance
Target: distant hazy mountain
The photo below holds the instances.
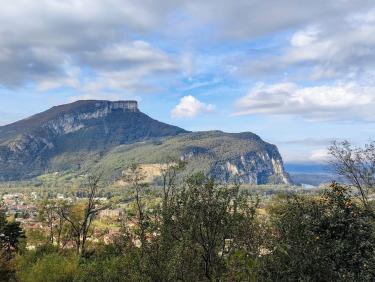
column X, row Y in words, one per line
column 311, row 173
column 87, row 135
column 308, row 168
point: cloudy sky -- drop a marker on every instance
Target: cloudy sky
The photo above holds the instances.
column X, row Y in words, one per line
column 299, row 73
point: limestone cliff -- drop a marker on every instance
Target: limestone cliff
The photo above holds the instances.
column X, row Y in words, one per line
column 242, row 157
column 92, row 135
column 42, row 142
column 226, row 157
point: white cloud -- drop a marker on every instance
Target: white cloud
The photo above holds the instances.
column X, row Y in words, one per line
column 305, row 156
column 319, row 156
column 135, row 55
column 37, row 37
column 121, row 67
column 252, row 18
column 305, row 37
column 345, row 101
column 189, row 107
column 128, row 66
column 333, row 49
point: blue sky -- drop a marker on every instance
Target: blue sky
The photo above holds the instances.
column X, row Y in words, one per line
column 298, row 73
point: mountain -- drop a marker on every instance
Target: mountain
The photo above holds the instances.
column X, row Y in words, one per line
column 313, row 174
column 221, row 155
column 91, row 135
column 31, row 146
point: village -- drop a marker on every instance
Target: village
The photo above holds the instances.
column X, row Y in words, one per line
column 27, row 209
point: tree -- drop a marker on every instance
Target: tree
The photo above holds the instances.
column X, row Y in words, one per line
column 323, row 238
column 80, row 216
column 59, row 230
column 199, row 230
column 39, row 266
column 356, row 165
column 160, row 248
column 48, row 215
column 205, row 229
column 111, row 263
column 169, row 172
column 135, row 177
column 10, row 235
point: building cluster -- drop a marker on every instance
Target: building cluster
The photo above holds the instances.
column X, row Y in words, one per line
column 114, row 214
column 23, row 208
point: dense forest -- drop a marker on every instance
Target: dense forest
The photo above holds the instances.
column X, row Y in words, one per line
column 199, row 230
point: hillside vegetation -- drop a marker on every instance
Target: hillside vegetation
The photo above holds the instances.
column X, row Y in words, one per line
column 90, row 135
column 211, row 152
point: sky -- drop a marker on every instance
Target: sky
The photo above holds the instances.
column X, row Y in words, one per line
column 298, row 73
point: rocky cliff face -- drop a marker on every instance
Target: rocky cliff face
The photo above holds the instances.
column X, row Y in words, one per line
column 247, row 158
column 32, row 146
column 253, row 168
column 74, row 121
column 227, row 157
column 79, row 135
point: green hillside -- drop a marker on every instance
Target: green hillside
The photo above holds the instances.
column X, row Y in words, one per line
column 204, row 151
column 88, row 136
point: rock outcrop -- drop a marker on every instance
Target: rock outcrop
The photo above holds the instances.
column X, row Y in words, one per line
column 227, row 157
column 242, row 157
column 59, row 138
column 89, row 134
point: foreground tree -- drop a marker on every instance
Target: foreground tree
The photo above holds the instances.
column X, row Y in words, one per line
column 79, row 216
column 45, row 264
column 325, row 238
column 169, row 173
column 207, row 225
column 10, row 235
column 48, row 213
column 201, row 231
column 356, row 165
column 135, row 177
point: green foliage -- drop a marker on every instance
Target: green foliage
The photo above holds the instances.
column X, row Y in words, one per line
column 110, row 265
column 10, row 235
column 205, row 152
column 48, row 267
column 202, row 226
column 241, row 267
column 326, row 238
column 202, row 231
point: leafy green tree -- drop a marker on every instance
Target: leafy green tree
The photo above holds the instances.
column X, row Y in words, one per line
column 205, row 227
column 323, row 238
column 50, row 266
column 10, row 235
column 112, row 263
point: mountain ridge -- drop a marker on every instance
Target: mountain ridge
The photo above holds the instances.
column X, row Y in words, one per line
column 70, row 136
